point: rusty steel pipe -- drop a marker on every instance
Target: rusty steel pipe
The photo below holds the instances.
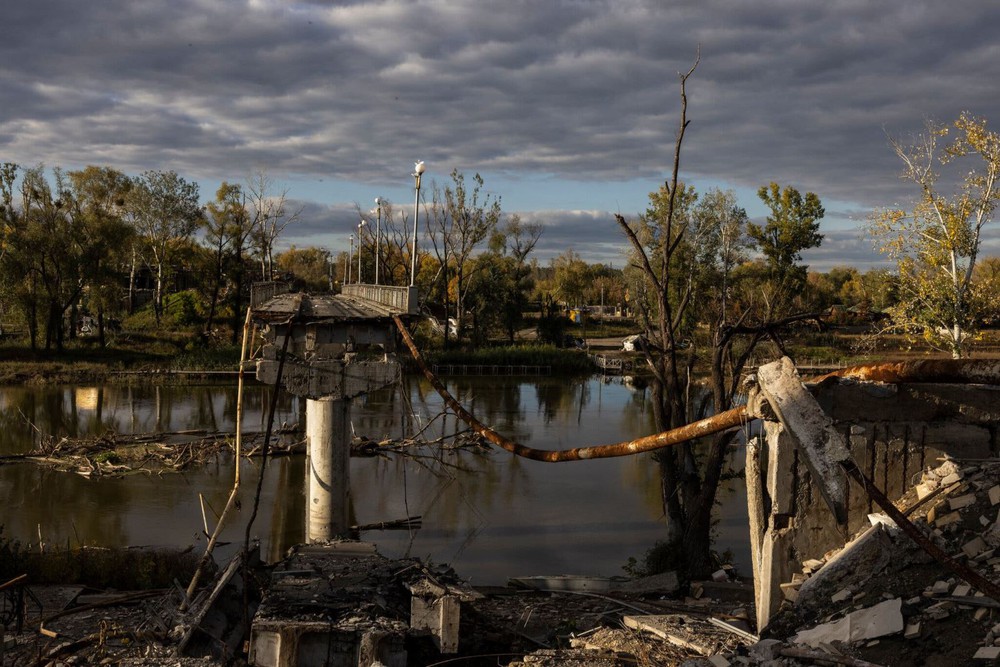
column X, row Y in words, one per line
column 963, row 371
column 720, row 422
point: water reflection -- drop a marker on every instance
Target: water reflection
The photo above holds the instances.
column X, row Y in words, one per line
column 492, row 515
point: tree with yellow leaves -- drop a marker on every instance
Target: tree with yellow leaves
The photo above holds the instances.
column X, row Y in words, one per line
column 935, row 245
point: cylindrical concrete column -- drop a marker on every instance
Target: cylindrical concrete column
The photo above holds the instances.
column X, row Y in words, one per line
column 327, row 469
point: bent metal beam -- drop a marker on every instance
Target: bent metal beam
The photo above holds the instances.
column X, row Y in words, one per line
column 714, row 424
column 944, row 370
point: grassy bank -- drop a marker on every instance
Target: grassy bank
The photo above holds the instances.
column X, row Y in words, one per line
column 83, row 360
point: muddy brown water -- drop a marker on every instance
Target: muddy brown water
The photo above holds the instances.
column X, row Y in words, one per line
column 490, row 516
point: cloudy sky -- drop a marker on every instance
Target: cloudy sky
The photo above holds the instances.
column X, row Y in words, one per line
column 567, row 108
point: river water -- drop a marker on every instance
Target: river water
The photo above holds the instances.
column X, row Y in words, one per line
column 490, row 515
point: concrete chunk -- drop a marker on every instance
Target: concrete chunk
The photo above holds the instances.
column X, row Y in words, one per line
column 987, row 653
column 841, row 595
column 823, row 448
column 940, row 588
column 953, row 478
column 960, row 502
column 974, row 547
column 947, row 519
column 994, row 494
column 883, row 619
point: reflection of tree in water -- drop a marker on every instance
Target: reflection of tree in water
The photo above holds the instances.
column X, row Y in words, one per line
column 554, row 397
column 454, row 490
column 32, row 412
column 289, row 509
column 454, row 487
column 67, row 510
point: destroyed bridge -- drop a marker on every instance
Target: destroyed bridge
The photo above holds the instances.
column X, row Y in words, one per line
column 878, row 425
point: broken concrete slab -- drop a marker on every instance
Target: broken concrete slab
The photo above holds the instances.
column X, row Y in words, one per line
column 961, row 502
column 822, row 446
column 665, row 583
column 688, row 632
column 343, row 603
column 974, row 547
column 883, row 619
column 991, row 653
column 852, row 567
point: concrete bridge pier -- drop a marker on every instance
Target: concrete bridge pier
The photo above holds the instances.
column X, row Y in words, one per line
column 327, row 469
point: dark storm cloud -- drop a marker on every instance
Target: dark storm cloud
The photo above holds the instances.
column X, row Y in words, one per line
column 800, row 93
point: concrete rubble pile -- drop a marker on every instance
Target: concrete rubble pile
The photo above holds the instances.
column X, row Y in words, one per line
column 878, row 600
column 885, row 600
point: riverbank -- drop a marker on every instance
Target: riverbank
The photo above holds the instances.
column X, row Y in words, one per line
column 83, row 363
column 162, row 358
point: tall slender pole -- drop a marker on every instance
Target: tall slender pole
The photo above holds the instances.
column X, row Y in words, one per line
column 418, row 170
column 360, row 237
column 350, row 260
column 378, row 234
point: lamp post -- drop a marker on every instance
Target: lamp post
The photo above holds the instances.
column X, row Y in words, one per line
column 418, row 170
column 350, row 262
column 360, row 237
column 378, row 233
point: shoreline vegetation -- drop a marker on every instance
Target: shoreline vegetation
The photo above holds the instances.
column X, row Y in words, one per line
column 177, row 357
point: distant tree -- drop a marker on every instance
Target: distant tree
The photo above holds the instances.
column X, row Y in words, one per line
column 269, row 216
column 935, row 244
column 61, row 242
column 309, row 267
column 164, row 210
column 986, row 279
column 9, row 219
column 99, row 195
column 684, row 277
column 459, row 220
column 828, row 289
column 572, row 278
column 792, row 226
column 229, row 230
column 393, row 251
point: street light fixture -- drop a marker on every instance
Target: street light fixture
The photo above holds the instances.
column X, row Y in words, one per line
column 360, row 237
column 418, row 170
column 378, row 233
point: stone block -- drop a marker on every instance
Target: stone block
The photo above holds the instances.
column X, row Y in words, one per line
column 441, row 616
column 974, row 547
column 947, row 519
column 841, row 595
column 961, row 502
column 926, row 488
column 940, row 587
column 953, row 478
column 883, row 619
column 987, row 653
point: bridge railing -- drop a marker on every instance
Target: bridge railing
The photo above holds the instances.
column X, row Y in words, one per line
column 394, row 299
column 261, row 292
